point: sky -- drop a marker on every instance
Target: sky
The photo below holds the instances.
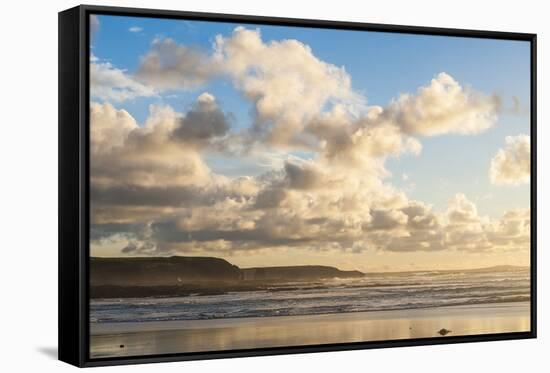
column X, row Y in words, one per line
column 271, row 145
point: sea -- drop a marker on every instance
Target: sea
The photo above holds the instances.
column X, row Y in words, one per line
column 374, row 292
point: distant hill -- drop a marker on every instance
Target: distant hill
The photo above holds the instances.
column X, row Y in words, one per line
column 200, row 272
column 297, row 273
column 161, row 271
column 186, row 275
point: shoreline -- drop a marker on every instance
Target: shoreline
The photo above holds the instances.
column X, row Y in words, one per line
column 162, row 337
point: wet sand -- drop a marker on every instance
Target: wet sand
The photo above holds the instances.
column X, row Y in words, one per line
column 166, row 337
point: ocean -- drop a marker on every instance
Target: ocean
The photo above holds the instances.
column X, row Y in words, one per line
column 374, row 292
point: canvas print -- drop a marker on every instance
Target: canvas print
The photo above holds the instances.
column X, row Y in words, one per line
column 260, row 186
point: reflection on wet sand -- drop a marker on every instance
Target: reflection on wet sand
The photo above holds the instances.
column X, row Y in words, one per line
column 127, row 339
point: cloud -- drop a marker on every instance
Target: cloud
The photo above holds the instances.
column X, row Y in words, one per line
column 108, row 83
column 302, row 102
column 139, row 248
column 420, row 216
column 411, row 228
column 109, row 127
column 512, row 164
column 459, row 229
column 169, row 65
column 387, row 219
column 203, row 122
column 173, row 196
column 295, row 94
column 296, row 209
column 464, row 229
column 363, row 140
column 360, row 142
column 270, row 198
column 461, row 211
column 512, row 231
column 165, row 151
column 147, row 171
column 154, row 193
column 472, row 233
column 286, row 82
column 135, row 29
column 305, row 175
column 441, row 107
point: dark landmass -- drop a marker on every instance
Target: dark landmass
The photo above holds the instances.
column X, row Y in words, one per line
column 297, row 273
column 183, row 276
column 161, row 271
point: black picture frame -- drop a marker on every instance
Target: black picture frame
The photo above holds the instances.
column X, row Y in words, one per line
column 74, row 188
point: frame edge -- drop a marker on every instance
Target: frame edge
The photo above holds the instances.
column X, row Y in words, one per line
column 533, row 222
column 70, row 334
column 307, row 22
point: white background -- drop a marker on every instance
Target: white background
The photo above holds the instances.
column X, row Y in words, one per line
column 28, row 185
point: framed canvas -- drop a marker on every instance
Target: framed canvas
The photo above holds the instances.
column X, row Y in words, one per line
column 235, row 186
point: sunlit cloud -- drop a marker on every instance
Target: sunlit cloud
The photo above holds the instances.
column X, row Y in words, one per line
column 154, row 193
column 512, row 164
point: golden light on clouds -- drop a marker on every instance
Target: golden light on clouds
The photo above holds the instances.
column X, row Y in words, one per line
column 154, row 193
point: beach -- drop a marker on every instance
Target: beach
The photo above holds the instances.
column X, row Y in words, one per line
column 115, row 339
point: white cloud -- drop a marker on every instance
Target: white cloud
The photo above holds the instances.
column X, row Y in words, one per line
column 169, row 65
column 387, row 219
column 461, row 210
column 302, row 102
column 443, row 106
column 286, row 82
column 152, row 181
column 111, row 84
column 184, row 207
column 511, row 231
column 465, row 230
column 139, row 173
column 109, row 127
column 135, row 29
column 512, row 164
column 361, row 141
column 165, row 151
